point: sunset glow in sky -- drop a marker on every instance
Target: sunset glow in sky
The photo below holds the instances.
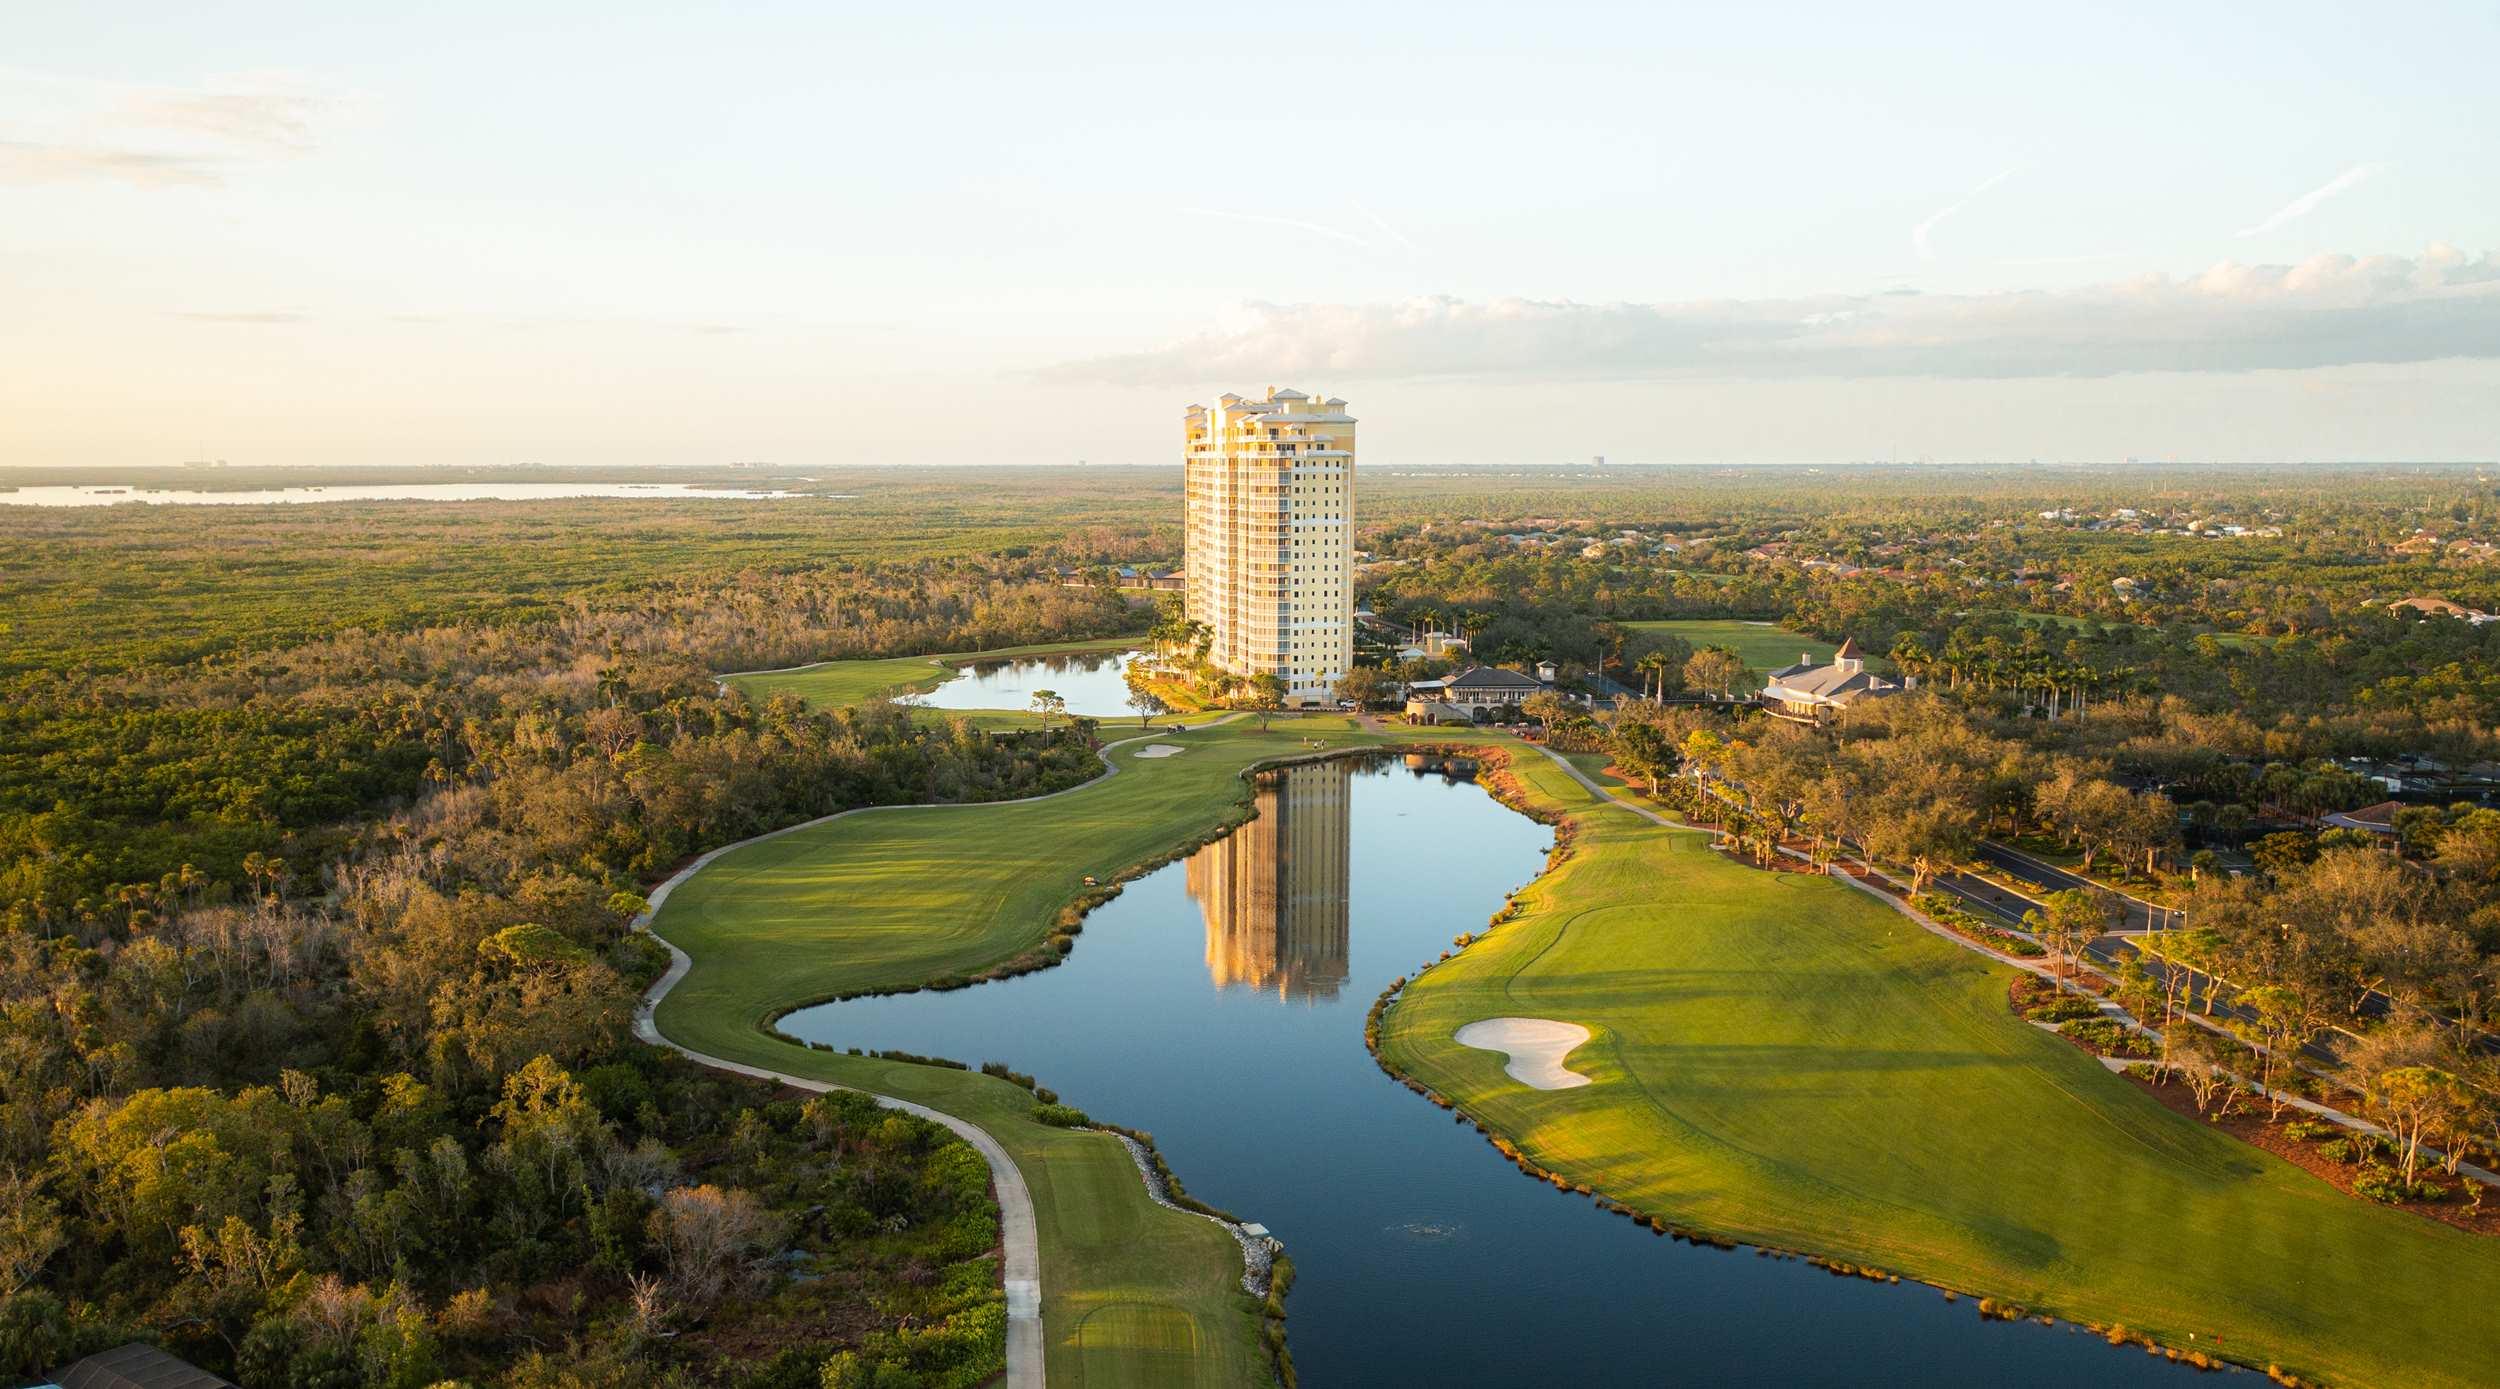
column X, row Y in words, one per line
column 809, row 234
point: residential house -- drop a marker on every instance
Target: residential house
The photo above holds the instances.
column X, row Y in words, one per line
column 2377, row 819
column 2440, row 607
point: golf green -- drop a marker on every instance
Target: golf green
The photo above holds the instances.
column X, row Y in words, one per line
column 1762, row 646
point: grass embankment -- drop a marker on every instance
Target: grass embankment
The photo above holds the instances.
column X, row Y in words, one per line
column 1780, row 1059
column 1761, row 645
column 1132, row 1294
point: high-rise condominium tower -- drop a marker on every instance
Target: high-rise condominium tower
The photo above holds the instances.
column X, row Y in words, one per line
column 1271, row 537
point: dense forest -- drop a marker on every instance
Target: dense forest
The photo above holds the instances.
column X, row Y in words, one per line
column 318, row 984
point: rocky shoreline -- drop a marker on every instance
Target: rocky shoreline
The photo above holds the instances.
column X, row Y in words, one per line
column 1258, row 1252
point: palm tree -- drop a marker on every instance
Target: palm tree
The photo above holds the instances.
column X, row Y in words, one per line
column 1653, row 668
column 1911, row 654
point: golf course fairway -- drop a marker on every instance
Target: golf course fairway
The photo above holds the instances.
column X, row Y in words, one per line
column 1783, row 1060
column 1132, row 1294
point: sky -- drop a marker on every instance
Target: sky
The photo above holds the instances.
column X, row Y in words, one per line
column 825, row 234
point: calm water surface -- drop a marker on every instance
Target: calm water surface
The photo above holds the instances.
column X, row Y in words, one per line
column 394, row 492
column 1218, row 1002
column 1094, row 684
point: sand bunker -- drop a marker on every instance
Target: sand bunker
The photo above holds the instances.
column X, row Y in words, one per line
column 1159, row 750
column 1536, row 1048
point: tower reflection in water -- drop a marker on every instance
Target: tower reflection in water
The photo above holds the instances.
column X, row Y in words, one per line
column 1274, row 891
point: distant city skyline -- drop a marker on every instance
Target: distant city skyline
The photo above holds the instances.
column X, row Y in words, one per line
column 286, row 234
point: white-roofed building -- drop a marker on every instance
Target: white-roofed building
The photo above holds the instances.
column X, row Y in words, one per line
column 1816, row 692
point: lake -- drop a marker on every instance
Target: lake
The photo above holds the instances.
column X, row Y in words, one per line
column 1093, row 682
column 1218, row 1003
column 384, row 492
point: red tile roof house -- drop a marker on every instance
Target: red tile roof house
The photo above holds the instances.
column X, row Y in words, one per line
column 2376, row 819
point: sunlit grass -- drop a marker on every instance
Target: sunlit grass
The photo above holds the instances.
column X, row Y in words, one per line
column 1781, row 1059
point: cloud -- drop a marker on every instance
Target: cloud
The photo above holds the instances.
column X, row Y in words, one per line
column 2327, row 311
column 2307, row 202
column 1383, row 237
column 271, row 111
column 149, row 136
column 1920, row 233
column 261, row 317
column 1296, row 223
column 28, row 161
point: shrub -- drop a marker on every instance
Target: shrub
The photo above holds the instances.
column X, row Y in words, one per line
column 1061, row 1116
column 916, row 1059
column 2107, row 1037
column 1942, row 911
column 2308, row 1130
column 2380, row 1184
column 2064, row 1008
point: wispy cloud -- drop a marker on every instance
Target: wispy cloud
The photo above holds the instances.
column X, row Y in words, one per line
column 1388, row 231
column 148, row 136
column 2090, row 258
column 31, row 161
column 1920, row 234
column 272, row 111
column 261, row 317
column 2308, row 202
column 2327, row 311
column 1384, row 238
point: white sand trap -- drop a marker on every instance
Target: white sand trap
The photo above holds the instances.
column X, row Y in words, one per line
column 1160, row 750
column 1536, row 1048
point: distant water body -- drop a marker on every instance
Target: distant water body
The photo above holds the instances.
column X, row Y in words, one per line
column 385, row 492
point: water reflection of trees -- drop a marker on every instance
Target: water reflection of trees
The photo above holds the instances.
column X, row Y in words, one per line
column 1274, row 891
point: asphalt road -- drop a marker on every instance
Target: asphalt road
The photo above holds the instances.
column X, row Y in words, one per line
column 2134, row 914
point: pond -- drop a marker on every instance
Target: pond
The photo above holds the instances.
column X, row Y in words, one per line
column 1094, row 683
column 379, row 492
column 1218, row 1003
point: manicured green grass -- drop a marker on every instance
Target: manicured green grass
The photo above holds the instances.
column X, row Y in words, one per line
column 1593, row 765
column 1781, row 1059
column 1132, row 1294
column 1763, row 647
column 837, row 684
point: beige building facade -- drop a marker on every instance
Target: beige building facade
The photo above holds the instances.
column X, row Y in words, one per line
column 1270, row 535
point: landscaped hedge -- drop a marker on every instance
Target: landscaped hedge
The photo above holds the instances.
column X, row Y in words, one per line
column 2109, row 1037
column 1939, row 909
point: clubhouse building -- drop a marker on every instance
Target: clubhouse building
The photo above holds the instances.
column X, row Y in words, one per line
column 1818, row 692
